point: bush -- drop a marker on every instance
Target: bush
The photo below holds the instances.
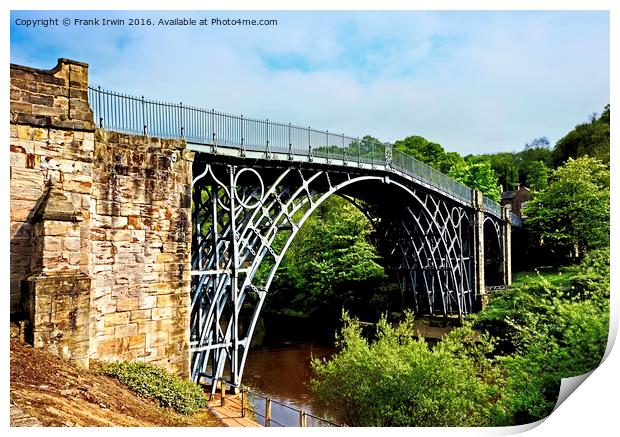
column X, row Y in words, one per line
column 556, row 329
column 158, row 384
column 397, row 380
column 592, row 278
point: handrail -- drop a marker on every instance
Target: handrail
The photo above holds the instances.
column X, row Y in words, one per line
column 246, row 405
column 137, row 115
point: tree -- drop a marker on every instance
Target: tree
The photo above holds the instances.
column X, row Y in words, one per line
column 552, row 327
column 450, row 160
column 423, row 150
column 591, row 139
column 330, row 264
column 572, row 214
column 370, row 148
column 477, row 174
column 536, row 175
column 506, row 167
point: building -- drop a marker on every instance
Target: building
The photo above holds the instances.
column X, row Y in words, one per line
column 516, row 199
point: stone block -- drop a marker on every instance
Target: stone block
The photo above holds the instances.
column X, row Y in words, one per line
column 59, row 308
column 128, row 304
column 137, row 341
column 127, row 330
column 70, row 244
column 154, row 339
column 109, row 348
column 101, row 288
column 163, row 313
column 105, row 305
column 147, row 302
column 97, row 234
column 169, row 300
column 54, row 244
column 61, row 228
column 166, row 257
column 118, row 318
column 118, row 235
column 140, row 315
column 99, row 268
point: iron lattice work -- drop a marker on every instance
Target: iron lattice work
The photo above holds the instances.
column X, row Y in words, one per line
column 246, row 217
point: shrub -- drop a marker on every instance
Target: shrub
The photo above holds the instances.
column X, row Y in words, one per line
column 397, row 380
column 556, row 329
column 158, row 384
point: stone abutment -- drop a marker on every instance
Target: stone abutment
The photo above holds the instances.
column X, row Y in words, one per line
column 100, row 228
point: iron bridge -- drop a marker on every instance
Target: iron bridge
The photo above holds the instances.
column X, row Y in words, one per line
column 257, row 181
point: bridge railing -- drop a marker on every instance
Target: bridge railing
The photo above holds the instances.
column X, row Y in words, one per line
column 491, row 206
column 137, row 115
column 515, row 220
column 271, row 412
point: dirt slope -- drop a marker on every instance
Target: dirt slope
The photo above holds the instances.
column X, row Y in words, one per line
column 57, row 393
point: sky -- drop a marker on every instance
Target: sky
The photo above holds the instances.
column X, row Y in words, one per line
column 473, row 81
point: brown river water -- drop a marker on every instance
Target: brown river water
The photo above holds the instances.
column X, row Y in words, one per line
column 281, row 368
column 283, row 373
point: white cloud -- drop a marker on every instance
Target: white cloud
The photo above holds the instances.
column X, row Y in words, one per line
column 473, row 82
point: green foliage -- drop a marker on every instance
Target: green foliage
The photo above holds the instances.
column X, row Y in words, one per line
column 529, row 167
column 567, row 342
column 553, row 326
column 429, row 153
column 506, row 167
column 421, row 149
column 450, row 160
column 536, row 175
column 328, row 262
column 591, row 139
column 592, row 279
column 479, row 175
column 572, row 214
column 158, row 384
column 396, row 380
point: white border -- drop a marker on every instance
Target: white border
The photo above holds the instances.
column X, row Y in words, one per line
column 591, row 410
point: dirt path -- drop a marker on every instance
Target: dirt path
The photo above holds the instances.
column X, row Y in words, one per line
column 19, row 418
column 49, row 391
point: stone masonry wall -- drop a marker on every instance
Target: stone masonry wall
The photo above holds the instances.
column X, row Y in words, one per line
column 51, row 139
column 131, row 256
column 141, row 237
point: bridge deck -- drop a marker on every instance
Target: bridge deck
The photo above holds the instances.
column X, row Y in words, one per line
column 337, row 161
column 208, row 131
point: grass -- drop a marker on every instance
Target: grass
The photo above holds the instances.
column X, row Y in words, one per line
column 557, row 276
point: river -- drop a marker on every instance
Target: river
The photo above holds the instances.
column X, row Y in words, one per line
column 279, row 368
column 283, row 372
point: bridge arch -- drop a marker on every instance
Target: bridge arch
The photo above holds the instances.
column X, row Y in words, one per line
column 493, row 251
column 237, row 221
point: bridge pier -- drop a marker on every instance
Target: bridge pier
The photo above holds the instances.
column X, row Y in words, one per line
column 506, row 246
column 479, row 284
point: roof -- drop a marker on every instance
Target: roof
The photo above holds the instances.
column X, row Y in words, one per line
column 508, row 195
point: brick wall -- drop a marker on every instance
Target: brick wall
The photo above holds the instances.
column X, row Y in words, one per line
column 132, row 244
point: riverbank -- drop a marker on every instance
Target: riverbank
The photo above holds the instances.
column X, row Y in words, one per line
column 50, row 391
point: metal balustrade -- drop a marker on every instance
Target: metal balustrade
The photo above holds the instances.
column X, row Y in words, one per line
column 137, row 115
column 259, row 408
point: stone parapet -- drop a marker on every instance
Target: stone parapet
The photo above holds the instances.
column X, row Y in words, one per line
column 51, row 98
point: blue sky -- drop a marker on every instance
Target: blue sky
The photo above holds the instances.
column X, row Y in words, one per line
column 476, row 82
